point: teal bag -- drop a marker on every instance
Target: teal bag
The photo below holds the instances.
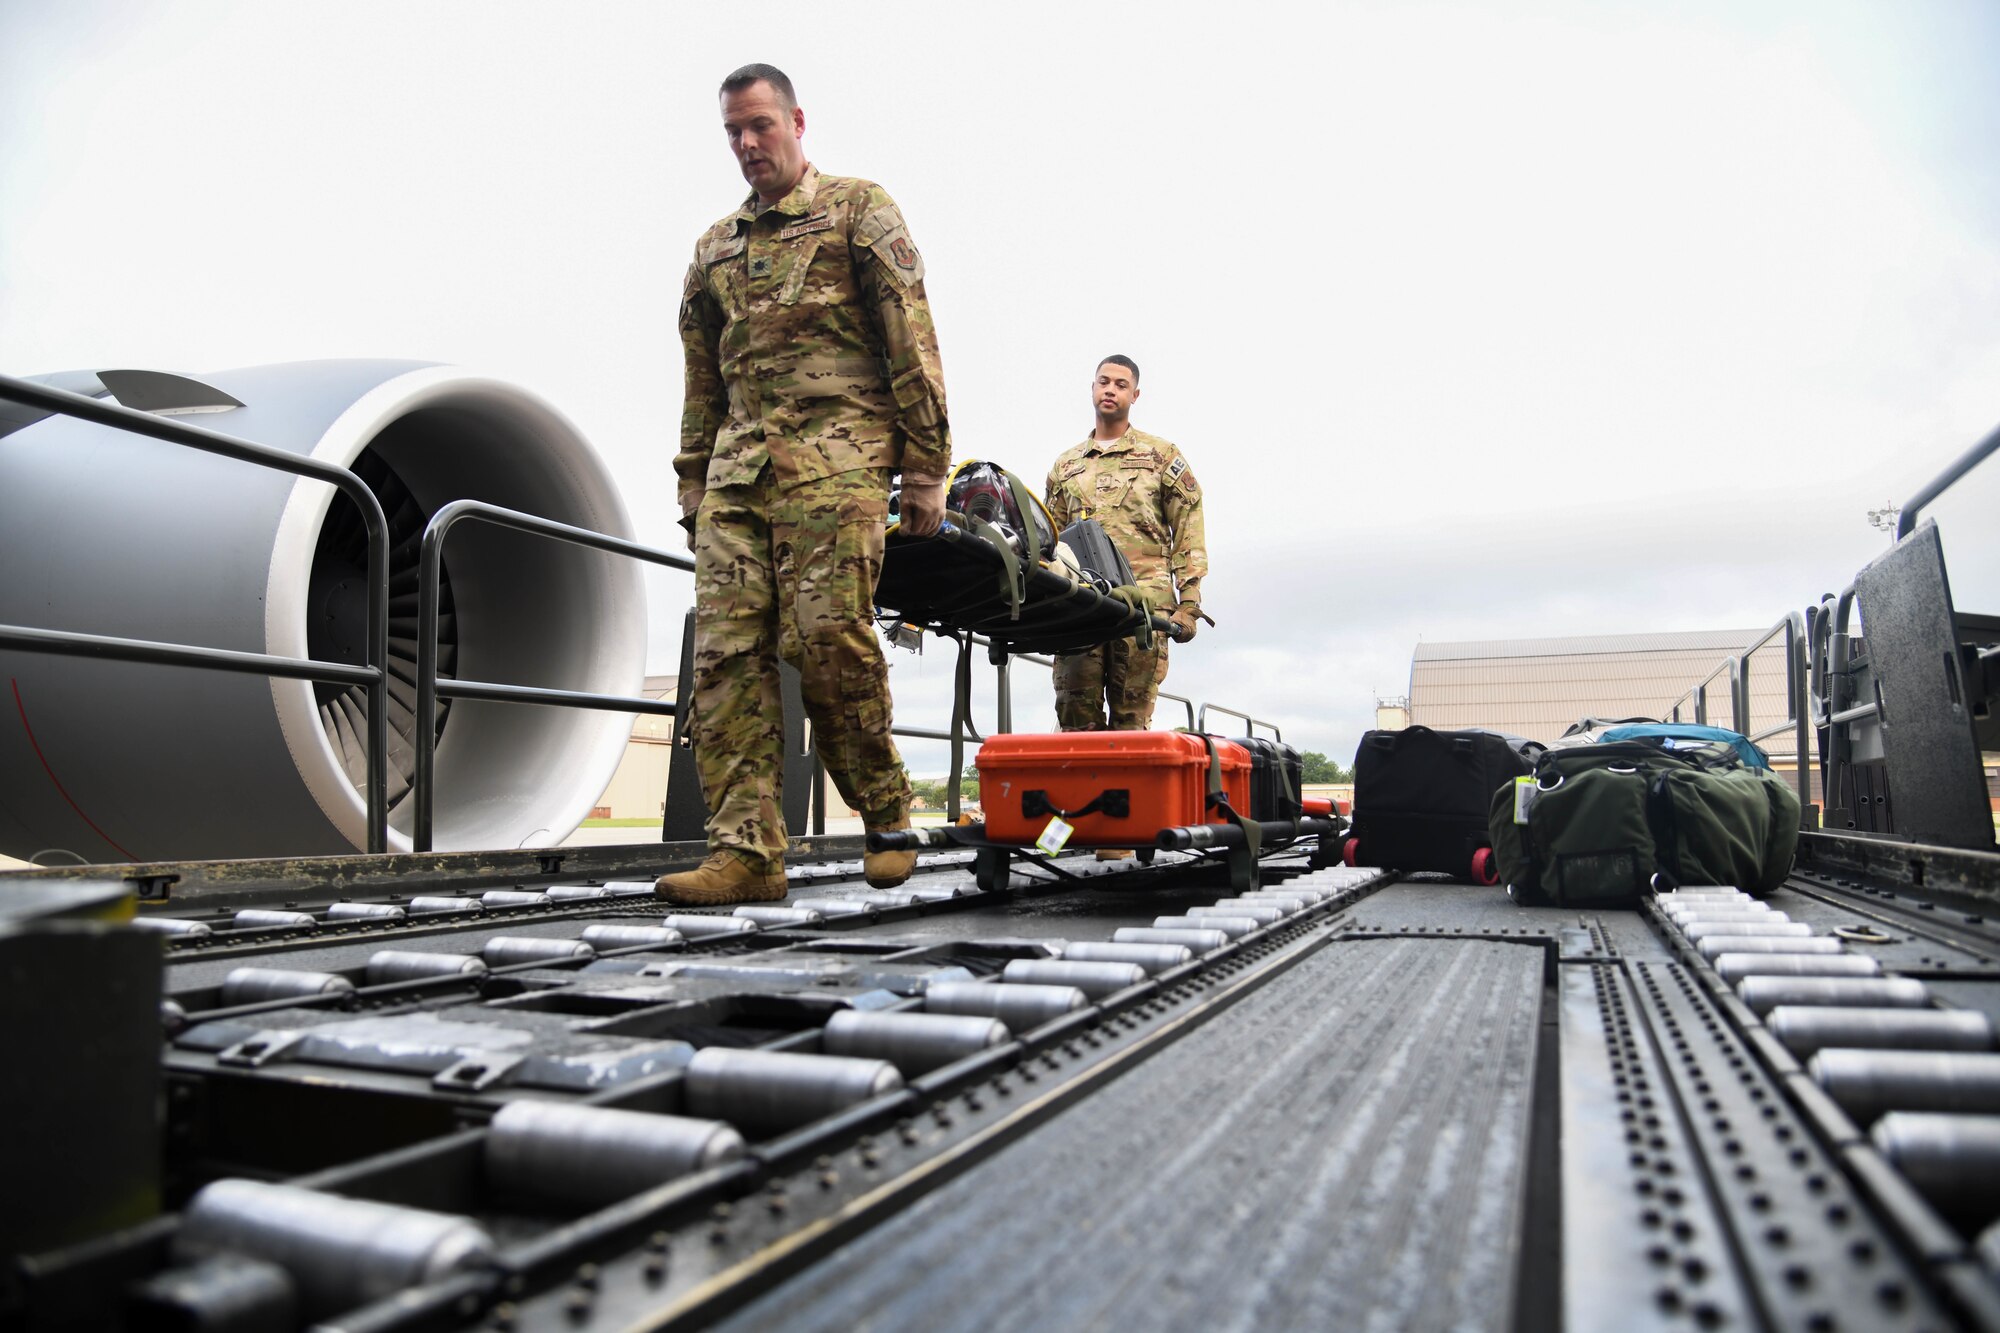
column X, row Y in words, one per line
column 1602, row 825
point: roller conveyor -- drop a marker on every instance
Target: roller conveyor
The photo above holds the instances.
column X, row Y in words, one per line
column 807, row 1036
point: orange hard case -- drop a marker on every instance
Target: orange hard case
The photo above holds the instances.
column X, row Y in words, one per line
column 1163, row 776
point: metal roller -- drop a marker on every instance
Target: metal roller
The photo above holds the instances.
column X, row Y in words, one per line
column 630, row 937
column 1263, row 914
column 254, row 985
column 513, row 898
column 1953, row 1160
column 1695, row 916
column 1736, row 966
column 628, row 888
column 1869, row 1083
column 364, row 912
column 168, row 925
column 888, row 898
column 1194, row 937
column 1989, row 1248
column 254, row 919
column 426, row 906
column 341, row 1253
column 590, row 1156
column 502, row 950
column 771, row 918
column 1020, row 1007
column 1806, row 1029
column 694, row 927
column 1232, row 926
column 1096, row 980
column 1153, row 957
column 914, row 1043
column 935, row 893
column 563, row 893
column 172, row 1016
column 1704, row 930
column 1689, row 920
column 1764, row 994
column 1306, row 893
column 780, row 1089
column 409, row 965
column 225, row 1294
column 1717, row 905
column 1283, row 901
column 832, row 907
column 1703, row 891
column 1721, row 944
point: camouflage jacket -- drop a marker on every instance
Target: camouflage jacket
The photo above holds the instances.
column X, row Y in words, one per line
column 809, row 343
column 1142, row 490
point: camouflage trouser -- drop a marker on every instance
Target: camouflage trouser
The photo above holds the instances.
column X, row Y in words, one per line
column 790, row 573
column 1120, row 673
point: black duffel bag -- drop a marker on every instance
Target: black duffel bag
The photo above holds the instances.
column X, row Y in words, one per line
column 1602, row 825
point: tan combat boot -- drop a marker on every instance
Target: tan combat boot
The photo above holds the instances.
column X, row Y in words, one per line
column 725, row 877
column 1114, row 853
column 885, row 870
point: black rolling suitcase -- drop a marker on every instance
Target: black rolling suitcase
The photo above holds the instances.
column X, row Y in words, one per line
column 1275, row 774
column 1421, row 799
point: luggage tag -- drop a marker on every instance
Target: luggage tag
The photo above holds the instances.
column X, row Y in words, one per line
column 1526, row 793
column 1054, row 836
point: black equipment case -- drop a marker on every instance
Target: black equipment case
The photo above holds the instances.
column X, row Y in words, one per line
column 1275, row 774
column 1422, row 797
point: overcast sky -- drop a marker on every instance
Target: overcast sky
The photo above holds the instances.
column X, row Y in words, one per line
column 1474, row 320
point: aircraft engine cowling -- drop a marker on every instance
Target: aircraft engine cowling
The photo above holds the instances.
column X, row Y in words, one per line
column 107, row 532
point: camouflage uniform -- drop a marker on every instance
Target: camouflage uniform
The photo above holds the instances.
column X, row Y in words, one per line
column 812, row 373
column 1142, row 490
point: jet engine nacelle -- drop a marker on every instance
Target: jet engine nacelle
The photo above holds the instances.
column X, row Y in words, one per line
column 107, row 532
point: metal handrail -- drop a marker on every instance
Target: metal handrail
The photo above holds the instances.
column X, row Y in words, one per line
column 371, row 673
column 1906, row 523
column 1004, row 708
column 1251, row 723
column 1004, row 712
column 1698, row 694
column 1186, row 703
column 1798, row 697
column 430, row 688
column 1800, row 714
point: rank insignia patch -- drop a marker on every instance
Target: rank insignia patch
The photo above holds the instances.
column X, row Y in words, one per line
column 760, row 266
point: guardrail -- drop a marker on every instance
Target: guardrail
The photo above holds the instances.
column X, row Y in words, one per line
column 1906, row 523
column 430, row 689
column 1799, row 718
column 1250, row 724
column 371, row 673
column 1003, row 712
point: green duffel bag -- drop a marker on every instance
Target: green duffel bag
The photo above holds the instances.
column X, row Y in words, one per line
column 1602, row 825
